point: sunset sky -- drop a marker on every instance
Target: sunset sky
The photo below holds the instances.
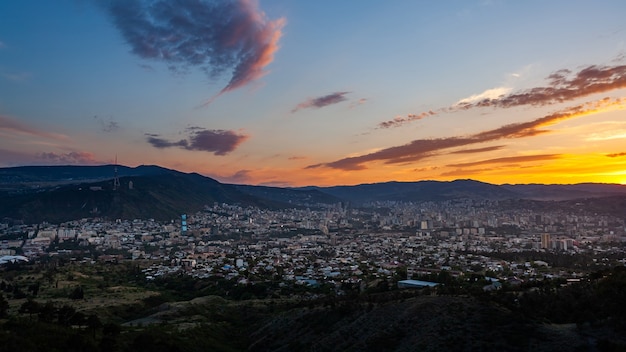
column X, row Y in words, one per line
column 295, row 93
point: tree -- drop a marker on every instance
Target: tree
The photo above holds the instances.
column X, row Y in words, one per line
column 47, row 312
column 93, row 323
column 65, row 315
column 34, row 288
column 30, row 307
column 77, row 293
column 111, row 329
column 17, row 292
column 4, row 306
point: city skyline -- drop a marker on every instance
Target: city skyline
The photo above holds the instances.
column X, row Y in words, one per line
column 295, row 93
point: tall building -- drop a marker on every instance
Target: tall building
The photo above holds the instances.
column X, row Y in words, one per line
column 183, row 224
column 545, row 240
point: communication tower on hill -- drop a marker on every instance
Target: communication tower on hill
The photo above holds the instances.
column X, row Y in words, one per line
column 116, row 179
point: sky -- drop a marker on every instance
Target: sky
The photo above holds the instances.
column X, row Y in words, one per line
column 296, row 93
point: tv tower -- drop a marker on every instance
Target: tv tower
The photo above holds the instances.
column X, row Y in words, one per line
column 116, row 179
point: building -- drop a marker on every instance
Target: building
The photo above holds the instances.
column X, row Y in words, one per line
column 545, row 241
column 416, row 284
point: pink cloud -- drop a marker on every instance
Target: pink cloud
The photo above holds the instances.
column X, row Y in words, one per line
column 297, row 158
column 12, row 126
column 423, row 148
column 67, row 158
column 217, row 37
column 564, row 85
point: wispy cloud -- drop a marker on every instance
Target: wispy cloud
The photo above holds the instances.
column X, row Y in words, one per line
column 277, row 183
column 358, row 102
column 493, row 93
column 466, row 172
column 67, row 158
column 320, row 102
column 478, row 150
column 422, row 148
column 509, row 160
column 146, row 67
column 16, row 158
column 16, row 76
column 219, row 142
column 241, row 177
column 616, row 155
column 13, row 157
column 401, row 120
column 607, row 135
column 107, row 124
column 214, row 36
column 11, row 127
column 563, row 85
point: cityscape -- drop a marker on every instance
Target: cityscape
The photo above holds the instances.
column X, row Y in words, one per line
column 255, row 175
column 124, row 278
column 337, row 243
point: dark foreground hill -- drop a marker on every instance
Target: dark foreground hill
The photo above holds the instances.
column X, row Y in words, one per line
column 117, row 309
column 421, row 323
column 415, row 324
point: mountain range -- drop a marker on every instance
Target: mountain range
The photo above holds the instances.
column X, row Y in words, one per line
column 61, row 193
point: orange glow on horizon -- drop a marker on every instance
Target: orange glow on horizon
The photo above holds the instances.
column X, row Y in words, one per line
column 560, row 171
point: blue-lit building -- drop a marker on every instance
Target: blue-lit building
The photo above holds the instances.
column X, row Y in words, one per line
column 416, row 284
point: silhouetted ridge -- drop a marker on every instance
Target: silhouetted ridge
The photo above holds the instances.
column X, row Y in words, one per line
column 62, row 193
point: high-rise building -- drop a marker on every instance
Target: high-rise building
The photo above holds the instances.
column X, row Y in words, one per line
column 545, row 240
column 183, row 223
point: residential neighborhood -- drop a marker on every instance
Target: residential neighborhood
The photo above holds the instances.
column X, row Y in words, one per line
column 338, row 245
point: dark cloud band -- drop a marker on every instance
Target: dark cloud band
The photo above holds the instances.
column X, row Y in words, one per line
column 219, row 142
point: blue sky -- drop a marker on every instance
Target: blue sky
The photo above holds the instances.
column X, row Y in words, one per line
column 318, row 92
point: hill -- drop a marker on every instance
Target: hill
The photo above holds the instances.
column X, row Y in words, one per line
column 156, row 193
column 61, row 193
column 566, row 192
column 419, row 191
column 304, row 197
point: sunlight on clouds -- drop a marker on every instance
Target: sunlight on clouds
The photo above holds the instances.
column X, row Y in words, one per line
column 493, row 93
column 607, row 135
column 368, row 151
